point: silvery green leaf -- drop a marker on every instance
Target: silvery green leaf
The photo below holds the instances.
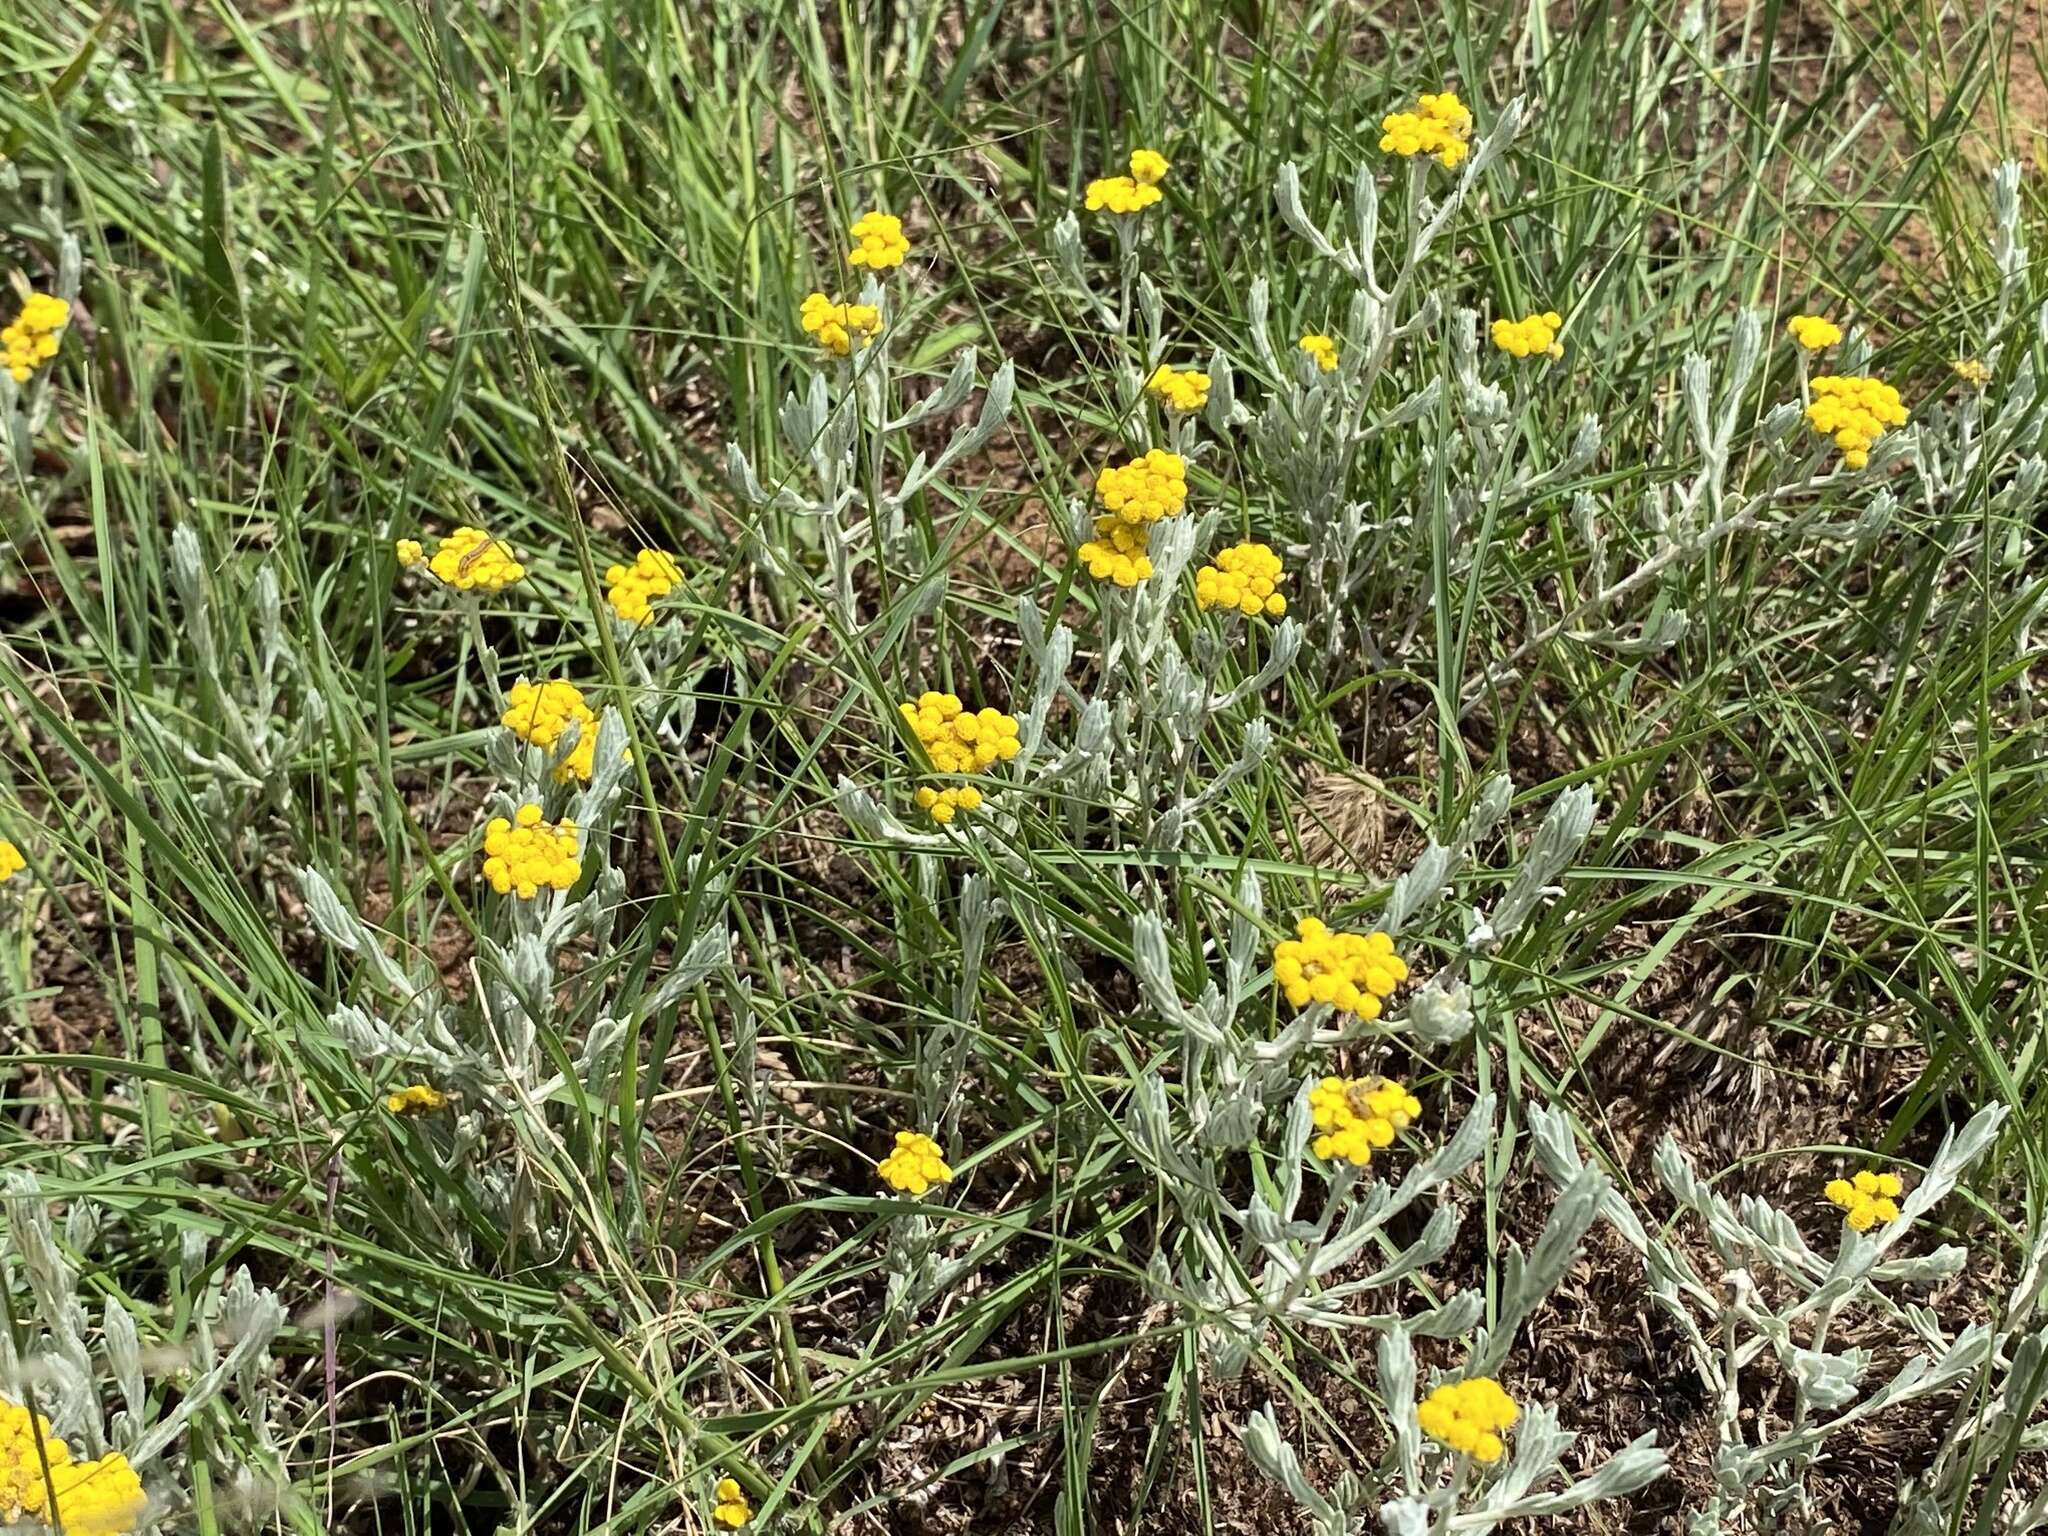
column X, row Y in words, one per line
column 1655, row 635
column 1745, row 346
column 1455, row 1315
column 877, row 825
column 1242, row 957
column 1287, row 193
column 1694, row 384
column 1923, row 1269
column 947, row 398
column 1635, row 1466
column 1527, row 1282
column 1272, row 1455
column 1894, row 448
column 1405, row 1517
column 1397, row 1395
column 124, row 1357
column 1781, row 421
column 1221, row 411
column 1432, row 1245
column 1414, row 408
column 1563, row 831
column 1151, row 307
column 1585, row 447
column 1440, row 1014
column 1494, row 144
column 1557, row 1154
column 1258, row 303
column 1828, row 1381
column 1539, row 1444
column 330, row 914
column 1958, row 1150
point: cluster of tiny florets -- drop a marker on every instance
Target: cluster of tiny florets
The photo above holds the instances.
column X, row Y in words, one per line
column 22, row 1490
column 11, row 861
column 839, row 327
column 33, row 338
column 416, row 1099
column 1356, row 1117
column 1150, row 487
column 1854, row 411
column 410, row 552
column 915, row 1165
column 541, row 713
column 730, row 1508
column 1349, row 971
column 1814, row 333
column 1179, row 389
column 474, row 560
column 1971, row 371
column 1120, row 194
column 942, row 805
column 1149, row 167
column 94, row 1498
column 959, row 740
column 878, row 242
column 1468, row 1416
column 1245, row 577
column 1322, row 348
column 1440, row 125
column 1867, row 1199
column 525, row 855
column 632, row 589
column 1531, row 336
column 1119, row 552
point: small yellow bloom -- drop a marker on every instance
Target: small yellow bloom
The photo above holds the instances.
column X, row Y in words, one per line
column 1971, row 371
column 409, row 552
column 959, row 740
column 1530, row 336
column 541, row 713
column 1468, row 1416
column 839, row 327
column 98, row 1498
column 944, row 804
column 1358, row 1116
column 33, row 338
column 418, row 1099
column 878, row 242
column 915, row 1166
column 1322, row 348
column 11, row 861
column 1149, row 487
column 1245, row 577
column 1349, row 971
column 524, row 855
column 1181, row 390
column 1120, row 195
column 1813, row 333
column 26, row 1443
column 1867, row 1199
column 1119, row 552
column 472, row 560
column 632, row 589
column 1148, row 167
column 1854, row 411
column 732, row 1510
column 1440, row 125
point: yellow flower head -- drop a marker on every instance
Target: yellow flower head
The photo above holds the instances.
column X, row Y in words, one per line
column 915, row 1166
column 1468, row 1416
column 98, row 1498
column 1814, row 333
column 1322, row 348
column 1148, row 167
column 959, row 740
column 1181, row 390
column 1867, row 1199
column 418, row 1099
column 1149, row 487
column 1530, row 336
column 1349, row 971
column 632, row 589
column 471, row 560
column 1971, row 371
column 1119, row 552
column 839, row 326
column 1440, row 125
column 541, row 713
column 1358, row 1116
column 26, row 1442
column 11, row 861
column 944, row 804
column 878, row 242
column 33, row 338
column 524, row 855
column 1854, row 411
column 1120, row 195
column 731, row 1509
column 409, row 552
column 1245, row 577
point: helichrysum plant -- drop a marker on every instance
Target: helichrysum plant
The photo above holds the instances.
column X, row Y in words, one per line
column 1813, row 333
column 1530, row 336
column 1244, row 578
column 1855, row 412
column 1439, row 125
column 525, row 854
column 878, row 242
column 729, row 1508
column 914, row 1164
column 631, row 591
column 469, row 559
column 1352, row 972
column 33, row 337
column 1181, row 390
column 840, row 328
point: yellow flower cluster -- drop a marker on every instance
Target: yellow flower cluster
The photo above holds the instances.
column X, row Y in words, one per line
column 11, row 861
column 731, row 1509
column 1322, row 348
column 1350, row 971
column 94, row 1498
column 1531, row 335
column 525, row 854
column 1971, row 371
column 915, row 1166
column 1150, row 487
column 1246, row 577
column 1148, row 167
column 632, row 589
column 1120, row 194
column 541, row 713
column 1815, row 333
column 1469, row 1416
column 1868, row 1198
column 1178, row 389
column 418, row 1099
column 945, row 804
column 33, row 338
column 878, row 242
column 958, row 741
column 472, row 560
column 1358, row 1116
column 410, row 552
column 1119, row 552
column 1854, row 411
column 839, row 326
column 1440, row 125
